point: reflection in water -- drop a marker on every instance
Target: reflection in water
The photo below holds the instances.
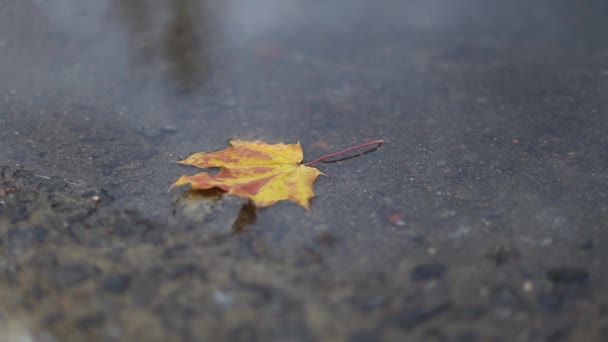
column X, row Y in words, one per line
column 182, row 44
column 247, row 216
column 137, row 19
column 173, row 34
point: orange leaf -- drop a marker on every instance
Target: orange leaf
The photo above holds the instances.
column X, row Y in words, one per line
column 264, row 173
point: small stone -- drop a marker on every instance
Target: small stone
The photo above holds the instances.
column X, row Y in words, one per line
column 528, row 286
column 430, row 271
column 568, row 275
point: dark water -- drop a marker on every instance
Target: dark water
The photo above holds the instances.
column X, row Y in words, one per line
column 482, row 218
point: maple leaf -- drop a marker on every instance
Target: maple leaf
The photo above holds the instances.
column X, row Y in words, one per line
column 264, row 173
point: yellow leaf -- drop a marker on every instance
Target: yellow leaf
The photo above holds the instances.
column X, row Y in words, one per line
column 264, row 173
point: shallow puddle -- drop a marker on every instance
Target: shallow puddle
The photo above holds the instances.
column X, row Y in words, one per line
column 482, row 215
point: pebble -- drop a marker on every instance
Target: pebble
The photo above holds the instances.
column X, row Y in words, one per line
column 528, row 286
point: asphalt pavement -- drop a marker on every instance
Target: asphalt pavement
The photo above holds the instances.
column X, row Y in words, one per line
column 484, row 216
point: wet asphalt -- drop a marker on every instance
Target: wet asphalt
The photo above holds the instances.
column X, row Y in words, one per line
column 483, row 218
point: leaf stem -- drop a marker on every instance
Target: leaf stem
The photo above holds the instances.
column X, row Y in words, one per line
column 375, row 142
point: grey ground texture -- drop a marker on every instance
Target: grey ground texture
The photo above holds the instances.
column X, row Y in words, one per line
column 484, row 216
